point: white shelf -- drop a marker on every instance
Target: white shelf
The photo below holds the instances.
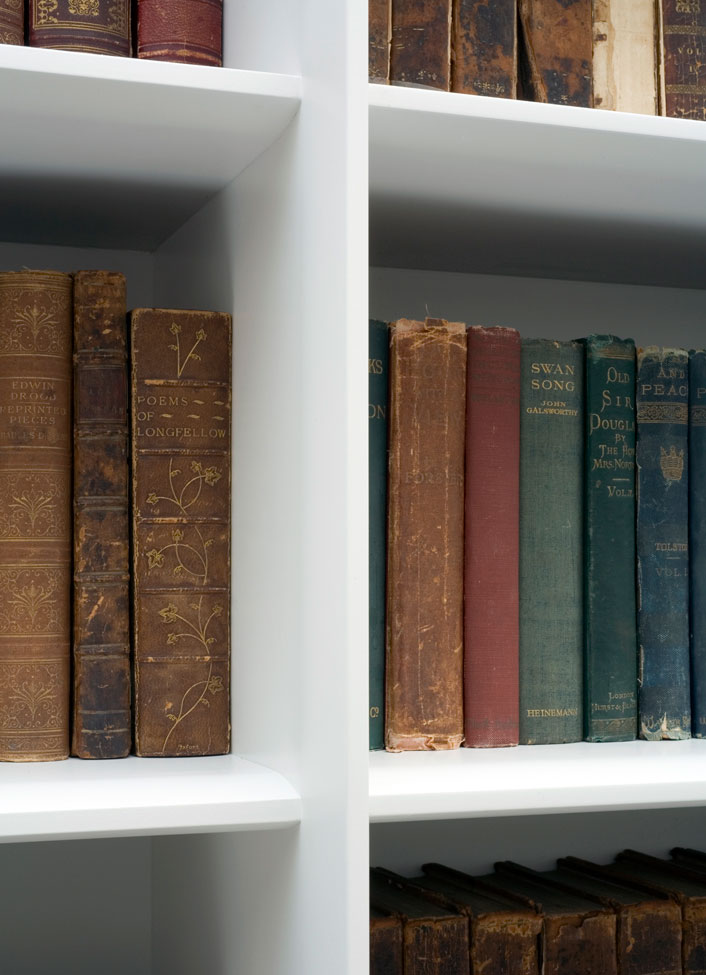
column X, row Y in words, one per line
column 466, row 183
column 119, row 152
column 536, row 779
column 141, row 796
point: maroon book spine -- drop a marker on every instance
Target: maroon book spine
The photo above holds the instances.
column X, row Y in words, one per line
column 12, row 22
column 189, row 31
column 89, row 26
column 491, row 592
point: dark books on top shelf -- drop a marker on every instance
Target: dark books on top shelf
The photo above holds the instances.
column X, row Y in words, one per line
column 35, row 514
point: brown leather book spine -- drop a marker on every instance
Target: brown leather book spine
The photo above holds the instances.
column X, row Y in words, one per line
column 385, row 944
column 91, row 26
column 102, row 724
column 424, row 673
column 180, row 412
column 484, row 48
column 683, row 61
column 558, row 46
column 189, row 31
column 580, row 943
column 12, row 22
column 491, row 574
column 420, row 54
column 35, row 514
column 379, row 35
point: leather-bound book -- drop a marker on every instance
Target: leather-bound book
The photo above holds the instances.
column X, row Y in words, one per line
column 625, row 56
column 424, row 673
column 435, row 938
column 551, row 541
column 386, row 952
column 610, row 654
column 91, row 26
column 420, row 54
column 697, row 539
column 101, row 598
column 189, row 31
column 693, row 859
column 180, row 411
column 577, row 933
column 649, row 922
column 379, row 37
column 35, row 514
column 484, row 48
column 558, row 48
column 378, row 389
column 687, row 887
column 12, row 22
column 491, row 580
column 504, row 934
column 682, row 35
column 664, row 700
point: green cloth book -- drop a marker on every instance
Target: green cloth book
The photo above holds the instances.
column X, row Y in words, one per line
column 551, row 541
column 610, row 656
column 378, row 360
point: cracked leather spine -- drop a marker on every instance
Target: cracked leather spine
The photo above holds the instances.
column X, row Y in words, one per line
column 101, row 600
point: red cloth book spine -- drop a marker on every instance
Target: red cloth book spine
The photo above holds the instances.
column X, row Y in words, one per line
column 189, row 31
column 491, row 600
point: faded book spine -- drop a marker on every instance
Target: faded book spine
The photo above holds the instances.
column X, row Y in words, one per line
column 101, row 598
column 558, row 48
column 91, row 26
column 424, row 674
column 551, row 542
column 420, row 53
column 35, row 514
column 378, row 382
column 697, row 539
column 379, row 38
column 491, row 572
column 625, row 69
column 663, row 543
column 12, row 22
column 682, row 30
column 610, row 655
column 181, row 382
column 188, row 31
column 484, row 48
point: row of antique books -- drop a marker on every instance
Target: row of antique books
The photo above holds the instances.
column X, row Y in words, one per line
column 627, row 55
column 189, row 31
column 533, row 521
column 114, row 522
column 640, row 915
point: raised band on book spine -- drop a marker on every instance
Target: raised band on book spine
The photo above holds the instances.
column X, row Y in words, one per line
column 424, row 674
column 90, row 26
column 663, row 543
column 102, row 723
column 12, row 22
column 610, row 655
column 35, row 514
column 181, row 382
column 188, row 31
column 491, row 580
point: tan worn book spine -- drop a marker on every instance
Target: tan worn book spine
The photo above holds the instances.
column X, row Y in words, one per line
column 35, row 514
column 379, row 37
column 484, row 48
column 101, row 600
column 624, row 56
column 12, row 22
column 424, row 675
column 181, row 391
column 420, row 54
column 558, row 46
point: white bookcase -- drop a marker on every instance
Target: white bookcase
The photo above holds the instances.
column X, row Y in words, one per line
column 245, row 189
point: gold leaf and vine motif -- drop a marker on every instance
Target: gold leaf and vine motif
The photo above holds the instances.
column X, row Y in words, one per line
column 192, row 353
column 194, row 629
column 33, row 505
column 186, row 554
